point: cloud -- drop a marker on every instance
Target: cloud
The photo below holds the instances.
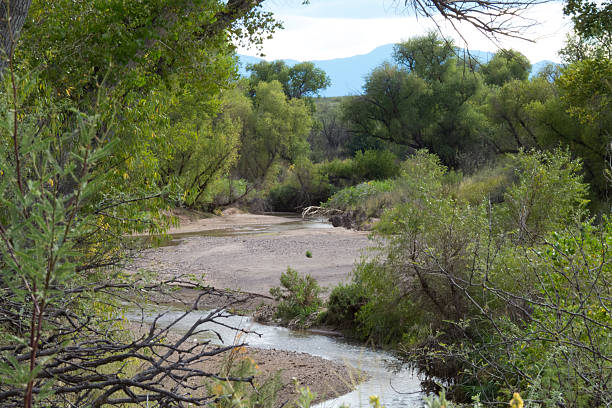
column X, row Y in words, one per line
column 318, row 33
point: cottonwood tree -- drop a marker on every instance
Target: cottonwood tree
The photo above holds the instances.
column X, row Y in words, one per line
column 426, row 100
column 302, row 80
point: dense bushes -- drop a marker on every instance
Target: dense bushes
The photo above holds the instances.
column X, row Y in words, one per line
column 305, row 183
column 343, row 304
column 485, row 296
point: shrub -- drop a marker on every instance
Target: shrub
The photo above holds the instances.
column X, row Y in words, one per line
column 487, row 298
column 376, row 165
column 343, row 304
column 351, row 198
column 305, row 184
column 228, row 393
column 298, row 296
column 489, row 183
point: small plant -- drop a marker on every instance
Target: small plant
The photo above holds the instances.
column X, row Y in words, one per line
column 298, row 297
column 228, row 393
column 438, row 401
column 305, row 396
column 308, row 254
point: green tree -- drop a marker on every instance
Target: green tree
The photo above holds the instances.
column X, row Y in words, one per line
column 428, row 100
column 512, row 108
column 394, row 107
column 302, row 80
column 90, row 112
column 156, row 58
column 276, row 131
column 505, row 66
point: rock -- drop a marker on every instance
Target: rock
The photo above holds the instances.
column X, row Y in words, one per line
column 264, row 313
column 342, row 220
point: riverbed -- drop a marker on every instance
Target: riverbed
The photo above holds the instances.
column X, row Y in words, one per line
column 249, row 252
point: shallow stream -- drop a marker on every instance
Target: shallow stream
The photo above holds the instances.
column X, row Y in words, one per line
column 395, row 389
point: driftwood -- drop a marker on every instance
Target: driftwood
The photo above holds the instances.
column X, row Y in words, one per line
column 314, row 210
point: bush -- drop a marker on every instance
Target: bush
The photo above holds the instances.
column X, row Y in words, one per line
column 368, row 165
column 298, row 297
column 343, row 304
column 305, row 184
column 490, row 298
column 489, row 183
column 376, row 165
column 354, row 197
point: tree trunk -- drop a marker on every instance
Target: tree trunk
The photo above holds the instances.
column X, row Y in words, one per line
column 13, row 14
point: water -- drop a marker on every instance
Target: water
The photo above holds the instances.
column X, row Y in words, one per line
column 158, row 241
column 401, row 389
column 395, row 389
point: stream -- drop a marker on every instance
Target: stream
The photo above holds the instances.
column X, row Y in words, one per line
column 395, row 389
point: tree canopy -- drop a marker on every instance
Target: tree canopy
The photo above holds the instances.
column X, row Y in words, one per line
column 298, row 81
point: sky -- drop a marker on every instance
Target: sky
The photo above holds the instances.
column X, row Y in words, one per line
column 328, row 29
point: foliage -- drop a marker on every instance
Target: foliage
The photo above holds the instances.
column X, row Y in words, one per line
column 228, row 393
column 470, row 290
column 329, row 136
column 588, row 88
column 165, row 63
column 375, row 165
column 304, row 184
column 491, row 182
column 353, row 197
column 298, row 297
column 62, row 332
column 343, row 304
column 277, row 131
column 100, row 100
column 299, row 81
column 426, row 100
column 506, row 66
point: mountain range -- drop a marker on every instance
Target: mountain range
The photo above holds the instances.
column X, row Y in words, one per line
column 347, row 74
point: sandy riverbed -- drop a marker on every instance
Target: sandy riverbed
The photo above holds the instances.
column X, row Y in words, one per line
column 253, row 263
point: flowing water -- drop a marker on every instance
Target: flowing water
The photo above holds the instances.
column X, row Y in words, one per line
column 395, row 389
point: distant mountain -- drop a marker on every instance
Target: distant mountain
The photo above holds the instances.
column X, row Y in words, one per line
column 348, row 74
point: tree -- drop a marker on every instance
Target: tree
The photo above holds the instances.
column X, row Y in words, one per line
column 306, row 80
column 512, row 108
column 492, row 18
column 89, row 117
column 427, row 100
column 505, row 66
column 394, row 107
column 492, row 298
column 329, row 136
column 13, row 15
column 274, row 129
column 429, row 56
column 302, row 80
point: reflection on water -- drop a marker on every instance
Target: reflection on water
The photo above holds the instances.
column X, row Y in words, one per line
column 394, row 389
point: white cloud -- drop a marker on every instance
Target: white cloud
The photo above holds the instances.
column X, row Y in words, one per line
column 318, row 38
